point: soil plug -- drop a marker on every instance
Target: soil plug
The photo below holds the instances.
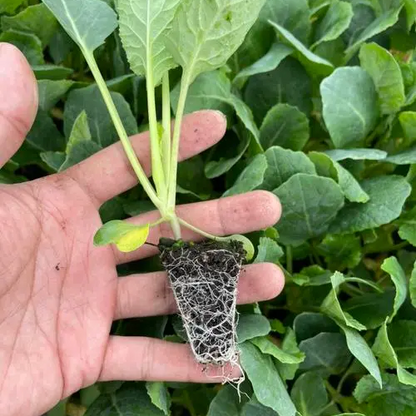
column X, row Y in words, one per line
column 204, row 278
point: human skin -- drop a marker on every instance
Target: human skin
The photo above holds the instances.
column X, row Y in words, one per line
column 59, row 294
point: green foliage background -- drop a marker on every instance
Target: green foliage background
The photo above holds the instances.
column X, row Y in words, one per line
column 321, row 108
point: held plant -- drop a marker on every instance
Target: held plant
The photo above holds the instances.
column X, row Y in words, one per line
column 159, row 35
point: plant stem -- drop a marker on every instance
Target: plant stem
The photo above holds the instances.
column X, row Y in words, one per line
column 128, row 148
column 166, row 116
column 176, row 140
column 157, row 167
column 197, row 230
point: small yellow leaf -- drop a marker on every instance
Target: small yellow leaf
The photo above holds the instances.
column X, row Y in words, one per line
column 132, row 239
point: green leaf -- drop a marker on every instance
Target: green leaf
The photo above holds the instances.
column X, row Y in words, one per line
column 384, row 350
column 205, row 34
column 285, row 126
column 159, row 395
column 336, row 21
column 215, row 168
column 288, row 83
column 30, row 45
column 53, row 72
column 371, row 309
column 361, row 351
column 282, row 164
column 325, row 166
column 225, row 403
column 250, row 178
column 287, row 370
column 402, row 336
column 129, row 399
column 251, row 326
column 79, row 152
column 44, row 135
column 99, row 120
column 256, row 409
column 53, row 159
column 410, row 7
column 383, row 22
column 309, row 394
column 412, row 285
column 127, row 237
column 393, row 399
column 268, row 347
column 37, row 20
column 80, row 132
column 9, row 6
column 268, row 251
column 309, row 324
column 320, row 65
column 356, row 154
column 387, row 197
column 143, row 26
column 50, row 92
column 212, row 90
column 311, row 204
column 408, row 157
column 393, row 268
column 262, row 374
column 268, row 62
column 326, row 352
column 341, row 252
column 387, row 76
column 88, row 22
column 332, row 307
column 351, row 113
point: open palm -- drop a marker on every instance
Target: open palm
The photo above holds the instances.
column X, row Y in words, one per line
column 59, row 294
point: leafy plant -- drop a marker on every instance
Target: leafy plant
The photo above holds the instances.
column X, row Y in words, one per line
column 320, row 101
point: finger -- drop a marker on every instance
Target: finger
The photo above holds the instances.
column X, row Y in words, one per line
column 139, row 358
column 236, row 214
column 108, row 173
column 150, row 294
column 18, row 100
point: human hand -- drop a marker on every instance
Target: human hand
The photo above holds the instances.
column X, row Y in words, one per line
column 59, row 294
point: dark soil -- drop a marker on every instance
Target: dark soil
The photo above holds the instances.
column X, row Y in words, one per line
column 204, row 280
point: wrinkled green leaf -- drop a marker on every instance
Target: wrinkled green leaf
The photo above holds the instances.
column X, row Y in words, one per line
column 387, row 196
column 284, row 126
column 143, row 26
column 351, row 113
column 36, row 19
column 387, row 77
column 205, row 34
column 311, row 203
column 29, row 44
column 88, row 22
column 268, row 251
column 282, row 164
column 50, row 92
column 336, row 21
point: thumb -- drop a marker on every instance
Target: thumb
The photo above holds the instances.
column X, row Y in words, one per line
column 18, row 100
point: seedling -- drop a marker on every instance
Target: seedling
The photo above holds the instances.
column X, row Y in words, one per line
column 159, row 35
